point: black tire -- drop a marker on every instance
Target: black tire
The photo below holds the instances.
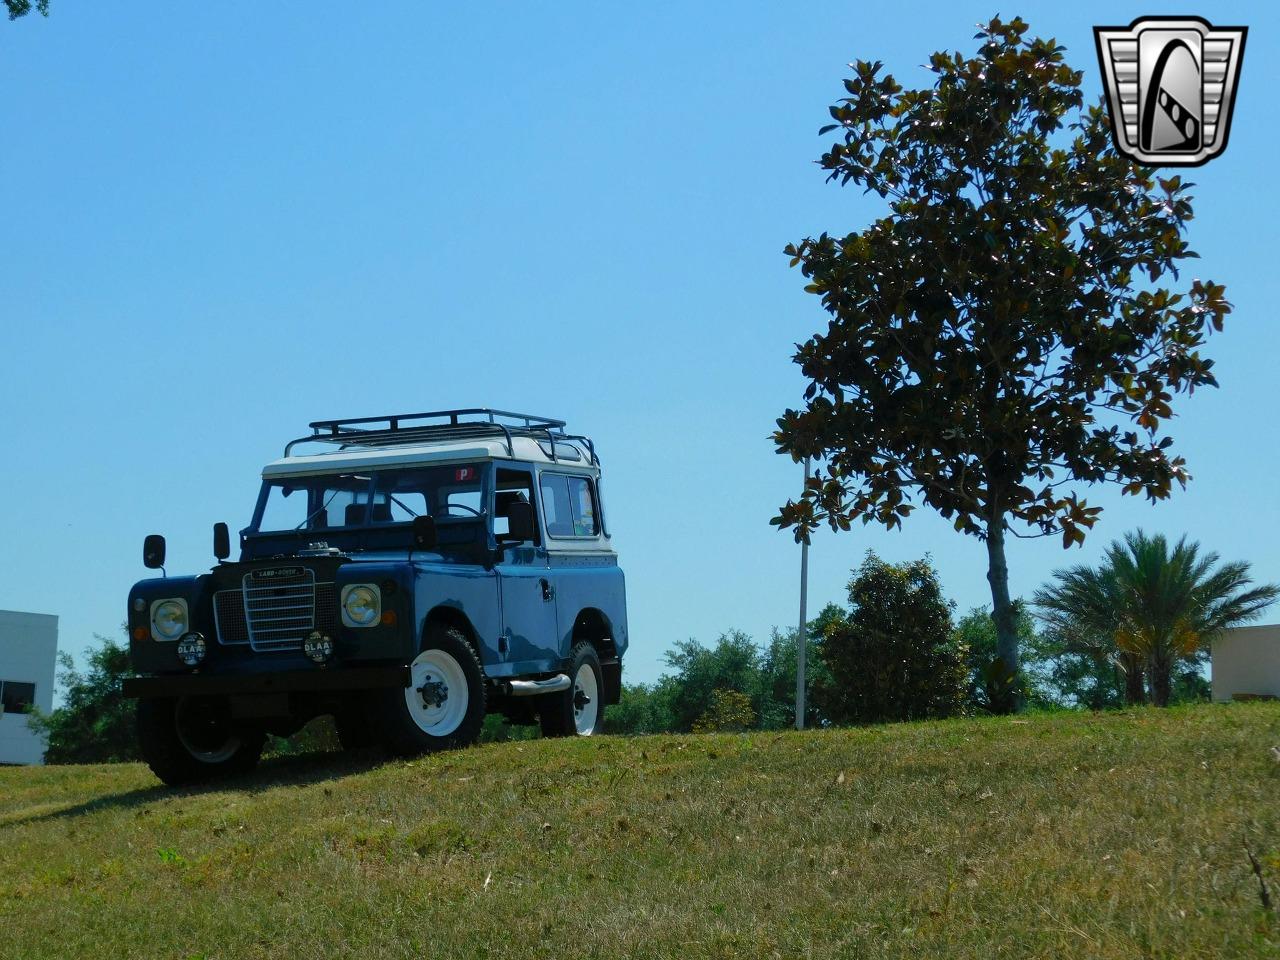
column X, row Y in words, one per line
column 578, row 711
column 210, row 746
column 449, row 665
column 355, row 726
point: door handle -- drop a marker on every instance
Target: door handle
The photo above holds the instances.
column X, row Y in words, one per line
column 548, row 591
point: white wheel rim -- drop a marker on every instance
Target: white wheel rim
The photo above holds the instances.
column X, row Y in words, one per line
column 437, row 696
column 218, row 755
column 586, row 701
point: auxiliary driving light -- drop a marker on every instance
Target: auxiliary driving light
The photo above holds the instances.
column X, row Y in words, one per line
column 318, row 647
column 191, row 649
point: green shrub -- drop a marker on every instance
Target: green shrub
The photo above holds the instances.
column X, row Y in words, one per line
column 95, row 724
column 894, row 656
column 734, row 663
column 642, row 708
column 729, row 711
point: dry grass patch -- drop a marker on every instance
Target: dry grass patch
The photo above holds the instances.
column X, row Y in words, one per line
column 1115, row 835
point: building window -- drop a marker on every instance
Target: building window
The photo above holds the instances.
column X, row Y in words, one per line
column 15, row 697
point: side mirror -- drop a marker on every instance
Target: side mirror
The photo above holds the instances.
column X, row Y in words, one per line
column 424, row 533
column 153, row 551
column 221, row 541
column 520, row 525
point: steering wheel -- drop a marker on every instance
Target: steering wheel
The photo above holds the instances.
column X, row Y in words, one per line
column 462, row 506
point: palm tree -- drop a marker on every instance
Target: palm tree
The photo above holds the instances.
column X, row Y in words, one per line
column 1147, row 606
column 1080, row 612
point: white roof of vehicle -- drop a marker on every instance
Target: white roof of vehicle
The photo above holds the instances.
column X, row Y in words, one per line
column 568, row 453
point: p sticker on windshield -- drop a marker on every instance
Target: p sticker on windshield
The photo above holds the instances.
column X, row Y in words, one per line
column 464, row 473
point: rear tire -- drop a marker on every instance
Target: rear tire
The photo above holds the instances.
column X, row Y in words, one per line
column 578, row 711
column 444, row 705
column 194, row 740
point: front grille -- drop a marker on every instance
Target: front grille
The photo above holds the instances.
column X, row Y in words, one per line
column 275, row 609
column 228, row 617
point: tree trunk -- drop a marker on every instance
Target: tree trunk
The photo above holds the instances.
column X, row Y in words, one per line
column 1161, row 682
column 1135, row 692
column 1009, row 690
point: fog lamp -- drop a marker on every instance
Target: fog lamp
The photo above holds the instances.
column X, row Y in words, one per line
column 318, row 647
column 191, row 649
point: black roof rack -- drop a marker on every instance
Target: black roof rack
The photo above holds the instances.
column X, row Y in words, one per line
column 441, row 425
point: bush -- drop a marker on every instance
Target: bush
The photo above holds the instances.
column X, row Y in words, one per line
column 734, row 663
column 894, row 656
column 95, row 724
column 729, row 711
column 642, row 708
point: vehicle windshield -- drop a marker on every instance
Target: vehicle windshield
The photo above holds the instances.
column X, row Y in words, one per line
column 371, row 499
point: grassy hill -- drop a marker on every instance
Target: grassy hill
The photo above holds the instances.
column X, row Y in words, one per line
column 1119, row 835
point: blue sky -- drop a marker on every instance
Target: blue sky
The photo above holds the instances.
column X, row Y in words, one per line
column 221, row 221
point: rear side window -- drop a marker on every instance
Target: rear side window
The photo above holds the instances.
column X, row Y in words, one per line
column 569, row 504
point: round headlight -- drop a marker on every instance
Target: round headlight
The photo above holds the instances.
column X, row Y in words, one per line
column 362, row 605
column 169, row 618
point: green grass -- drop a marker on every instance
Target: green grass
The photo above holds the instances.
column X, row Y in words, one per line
column 1068, row 835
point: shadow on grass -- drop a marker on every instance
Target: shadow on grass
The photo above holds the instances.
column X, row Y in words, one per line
column 289, row 771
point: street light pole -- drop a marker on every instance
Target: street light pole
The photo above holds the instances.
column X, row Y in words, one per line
column 801, row 644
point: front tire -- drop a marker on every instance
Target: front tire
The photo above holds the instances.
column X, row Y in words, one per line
column 443, row 707
column 193, row 740
column 578, row 711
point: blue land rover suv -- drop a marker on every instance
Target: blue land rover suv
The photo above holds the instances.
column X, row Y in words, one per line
column 407, row 575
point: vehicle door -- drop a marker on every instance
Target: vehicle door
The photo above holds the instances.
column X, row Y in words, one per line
column 526, row 592
column 582, row 571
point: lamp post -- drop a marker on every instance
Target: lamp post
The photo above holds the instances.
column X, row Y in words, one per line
column 801, row 644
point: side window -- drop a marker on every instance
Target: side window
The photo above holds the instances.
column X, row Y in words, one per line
column 569, row 503
column 513, row 486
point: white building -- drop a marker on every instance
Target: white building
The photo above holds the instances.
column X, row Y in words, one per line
column 28, row 652
column 1246, row 663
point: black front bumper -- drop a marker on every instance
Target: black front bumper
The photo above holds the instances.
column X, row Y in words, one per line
column 291, row 681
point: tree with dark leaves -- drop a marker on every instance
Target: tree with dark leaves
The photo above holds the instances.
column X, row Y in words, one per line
column 999, row 338
column 20, row 8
